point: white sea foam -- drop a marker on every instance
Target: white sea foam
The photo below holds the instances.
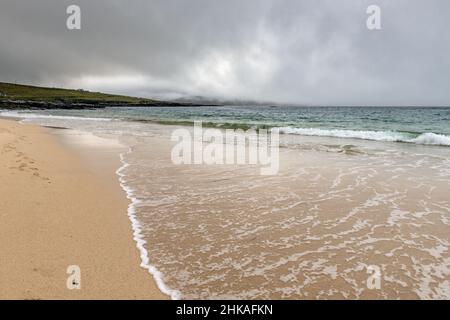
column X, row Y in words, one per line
column 432, row 138
column 29, row 115
column 428, row 138
column 89, row 139
column 366, row 135
column 138, row 236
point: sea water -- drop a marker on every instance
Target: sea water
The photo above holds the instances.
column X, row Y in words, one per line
column 358, row 189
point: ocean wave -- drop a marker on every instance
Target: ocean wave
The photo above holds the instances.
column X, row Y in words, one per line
column 29, row 115
column 432, row 138
column 428, row 138
column 138, row 236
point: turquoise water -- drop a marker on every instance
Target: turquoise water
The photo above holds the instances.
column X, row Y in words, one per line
column 405, row 124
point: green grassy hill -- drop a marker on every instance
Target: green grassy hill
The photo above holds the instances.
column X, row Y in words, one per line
column 15, row 94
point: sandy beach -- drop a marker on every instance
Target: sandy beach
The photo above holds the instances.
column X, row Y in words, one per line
column 336, row 210
column 55, row 212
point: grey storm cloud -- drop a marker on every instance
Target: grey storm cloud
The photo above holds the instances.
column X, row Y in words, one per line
column 316, row 52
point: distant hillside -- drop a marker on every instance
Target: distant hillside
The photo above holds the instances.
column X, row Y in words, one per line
column 24, row 96
column 208, row 101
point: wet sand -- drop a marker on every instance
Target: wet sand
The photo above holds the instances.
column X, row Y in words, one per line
column 335, row 210
column 318, row 229
column 55, row 211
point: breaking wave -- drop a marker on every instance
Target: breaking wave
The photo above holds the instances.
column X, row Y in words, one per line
column 28, row 115
column 428, row 138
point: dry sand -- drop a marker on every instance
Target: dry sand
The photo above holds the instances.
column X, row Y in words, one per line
column 56, row 212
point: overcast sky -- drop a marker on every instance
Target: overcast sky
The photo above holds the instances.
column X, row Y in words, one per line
column 317, row 52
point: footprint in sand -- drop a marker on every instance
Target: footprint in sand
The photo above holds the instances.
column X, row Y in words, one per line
column 8, row 148
column 25, row 163
column 37, row 175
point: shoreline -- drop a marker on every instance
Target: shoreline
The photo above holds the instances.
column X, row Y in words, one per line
column 274, row 224
column 138, row 237
column 59, row 212
column 352, row 135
